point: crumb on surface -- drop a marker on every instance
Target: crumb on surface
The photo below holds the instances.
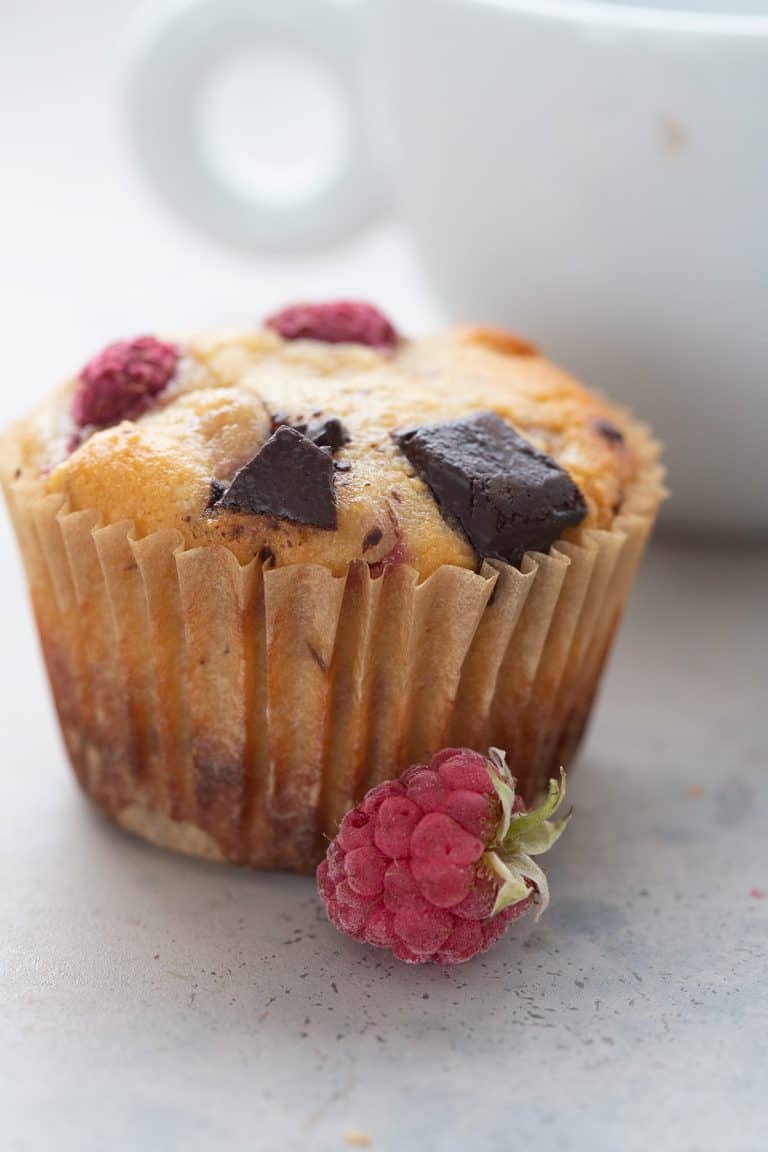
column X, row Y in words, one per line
column 695, row 790
column 758, row 893
column 357, row 1139
column 672, row 136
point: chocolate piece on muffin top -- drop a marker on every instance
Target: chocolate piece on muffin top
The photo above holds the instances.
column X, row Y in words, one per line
column 508, row 498
column 289, row 478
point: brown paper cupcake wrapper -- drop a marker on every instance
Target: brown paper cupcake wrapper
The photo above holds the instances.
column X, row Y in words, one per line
column 237, row 712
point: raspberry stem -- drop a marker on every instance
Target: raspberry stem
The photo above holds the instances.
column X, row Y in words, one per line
column 520, row 836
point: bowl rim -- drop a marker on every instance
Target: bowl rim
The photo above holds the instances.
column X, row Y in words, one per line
column 619, row 15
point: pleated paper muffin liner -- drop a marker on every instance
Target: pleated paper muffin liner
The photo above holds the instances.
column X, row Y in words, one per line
column 237, row 712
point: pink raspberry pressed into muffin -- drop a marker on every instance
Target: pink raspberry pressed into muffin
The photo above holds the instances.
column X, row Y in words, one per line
column 337, row 322
column 120, row 382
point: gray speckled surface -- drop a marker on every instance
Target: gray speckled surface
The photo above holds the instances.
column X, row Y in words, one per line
column 153, row 1003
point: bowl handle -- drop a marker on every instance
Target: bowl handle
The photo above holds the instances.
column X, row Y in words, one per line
column 179, row 48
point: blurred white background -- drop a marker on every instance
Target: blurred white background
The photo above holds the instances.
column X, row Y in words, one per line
column 88, row 252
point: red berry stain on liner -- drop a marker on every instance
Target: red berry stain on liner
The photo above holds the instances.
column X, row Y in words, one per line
column 335, row 322
column 434, row 866
column 122, row 381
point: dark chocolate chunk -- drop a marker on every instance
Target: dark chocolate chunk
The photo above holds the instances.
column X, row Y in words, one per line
column 372, row 539
column 326, row 433
column 508, row 497
column 290, row 478
column 609, row 431
column 217, row 490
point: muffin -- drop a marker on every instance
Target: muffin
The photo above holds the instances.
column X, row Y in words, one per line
column 272, row 568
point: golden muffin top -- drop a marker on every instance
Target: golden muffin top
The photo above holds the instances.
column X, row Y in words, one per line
column 324, row 438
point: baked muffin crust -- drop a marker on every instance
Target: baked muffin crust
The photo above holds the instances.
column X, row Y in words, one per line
column 164, row 468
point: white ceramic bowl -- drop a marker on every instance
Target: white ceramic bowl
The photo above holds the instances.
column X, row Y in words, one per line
column 592, row 174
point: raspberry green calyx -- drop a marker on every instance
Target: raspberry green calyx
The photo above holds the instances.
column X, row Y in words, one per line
column 520, row 836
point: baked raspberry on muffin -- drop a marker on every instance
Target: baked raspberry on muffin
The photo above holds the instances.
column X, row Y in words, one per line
column 273, row 568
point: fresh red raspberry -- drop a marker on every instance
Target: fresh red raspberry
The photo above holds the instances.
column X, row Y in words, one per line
column 336, row 322
column 121, row 381
column 435, row 865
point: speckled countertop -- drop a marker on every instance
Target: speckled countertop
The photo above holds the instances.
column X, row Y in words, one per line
column 153, row 1003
